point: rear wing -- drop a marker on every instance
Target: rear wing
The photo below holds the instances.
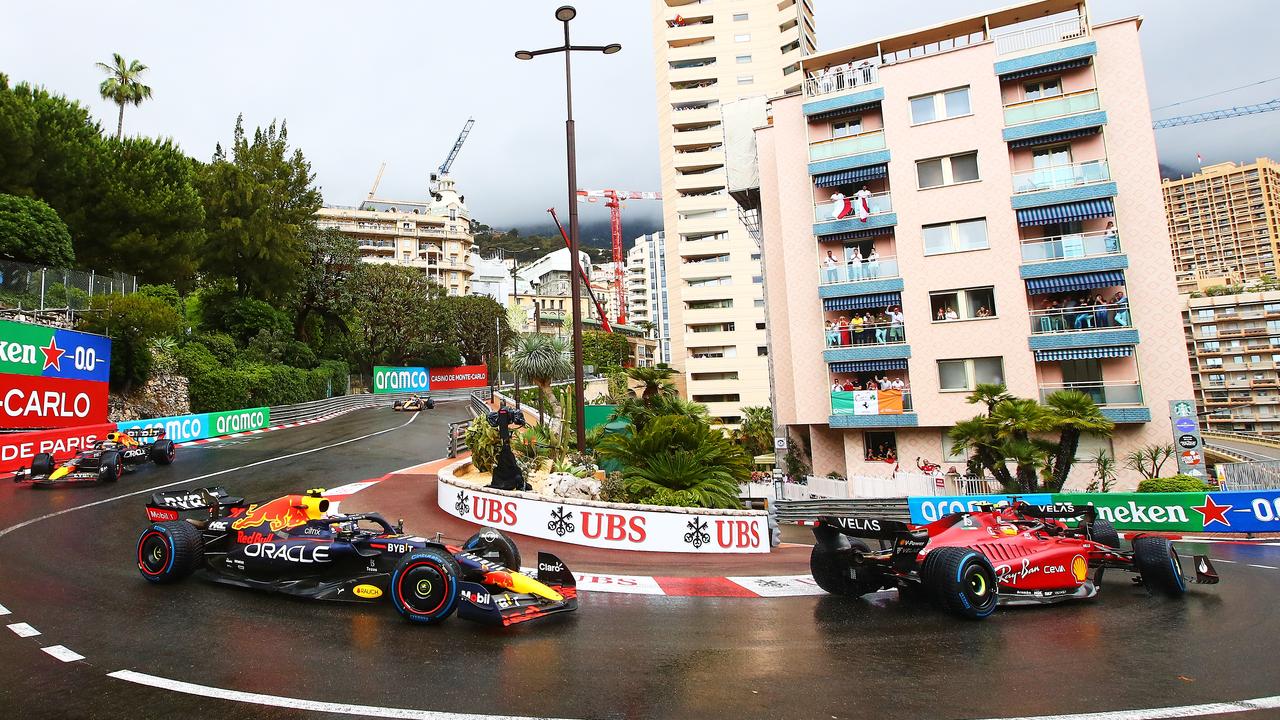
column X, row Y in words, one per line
column 149, row 433
column 174, row 504
column 907, row 540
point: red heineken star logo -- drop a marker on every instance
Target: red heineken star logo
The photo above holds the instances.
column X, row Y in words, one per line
column 52, row 356
column 1213, row 512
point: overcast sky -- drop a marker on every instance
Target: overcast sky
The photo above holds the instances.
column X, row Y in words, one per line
column 360, row 83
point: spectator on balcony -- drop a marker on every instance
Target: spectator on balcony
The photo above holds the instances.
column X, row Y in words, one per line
column 833, row 335
column 862, row 203
column 951, row 313
column 828, row 79
column 872, row 264
column 1120, row 306
column 857, row 326
column 849, row 386
column 884, row 382
column 882, row 327
column 842, row 328
column 983, row 312
column 871, row 385
column 895, row 324
column 1109, row 238
column 897, row 384
column 837, row 386
column 853, row 258
column 831, row 267
column 1100, row 311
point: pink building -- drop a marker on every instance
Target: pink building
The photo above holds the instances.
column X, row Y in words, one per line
column 973, row 202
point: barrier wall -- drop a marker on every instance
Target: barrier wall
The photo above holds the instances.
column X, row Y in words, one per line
column 1221, row 512
column 606, row 525
column 185, row 428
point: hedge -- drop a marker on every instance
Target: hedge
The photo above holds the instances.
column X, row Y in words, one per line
column 216, row 388
column 1177, row 483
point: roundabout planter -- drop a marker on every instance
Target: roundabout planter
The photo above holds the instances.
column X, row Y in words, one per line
column 644, row 528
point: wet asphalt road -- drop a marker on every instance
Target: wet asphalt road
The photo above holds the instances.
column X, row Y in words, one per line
column 72, row 577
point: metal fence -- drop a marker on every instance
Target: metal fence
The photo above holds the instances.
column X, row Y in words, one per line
column 52, row 293
column 1264, row 475
column 301, row 412
column 887, row 508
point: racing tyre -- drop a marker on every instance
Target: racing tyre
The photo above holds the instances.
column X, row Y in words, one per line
column 964, row 582
column 424, row 586
column 169, row 551
column 110, row 466
column 493, row 545
column 1104, row 533
column 42, row 464
column 831, row 571
column 163, row 451
column 1159, row 565
column 431, row 404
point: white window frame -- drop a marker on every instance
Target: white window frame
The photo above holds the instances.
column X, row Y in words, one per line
column 741, row 17
column 955, row 237
column 969, row 370
column 948, row 175
column 742, row 37
column 846, row 128
column 939, row 105
column 1039, row 88
column 964, row 307
column 743, row 59
column 746, row 79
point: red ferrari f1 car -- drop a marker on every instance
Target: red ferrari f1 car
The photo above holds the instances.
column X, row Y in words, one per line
column 294, row 545
column 971, row 562
column 105, row 462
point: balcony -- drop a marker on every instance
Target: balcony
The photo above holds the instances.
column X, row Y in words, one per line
column 827, row 220
column 1051, row 33
column 1070, row 247
column 874, row 334
column 1031, row 111
column 842, row 78
column 1121, row 402
column 846, row 146
column 1058, row 177
column 858, row 409
column 883, row 268
column 1087, row 318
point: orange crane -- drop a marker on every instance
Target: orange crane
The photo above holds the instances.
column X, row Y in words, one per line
column 613, row 200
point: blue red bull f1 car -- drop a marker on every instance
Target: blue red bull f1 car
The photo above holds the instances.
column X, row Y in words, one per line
column 105, row 462
column 293, row 545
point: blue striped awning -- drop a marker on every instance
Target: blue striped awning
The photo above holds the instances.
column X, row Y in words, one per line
column 1074, row 283
column 855, row 366
column 844, row 111
column 1067, row 212
column 1054, row 138
column 1088, row 353
column 863, row 302
column 871, row 172
column 1046, row 69
column 858, row 234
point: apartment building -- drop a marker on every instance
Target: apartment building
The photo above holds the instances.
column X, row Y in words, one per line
column 973, row 202
column 1224, row 223
column 646, row 286
column 710, row 52
column 1234, row 345
column 432, row 236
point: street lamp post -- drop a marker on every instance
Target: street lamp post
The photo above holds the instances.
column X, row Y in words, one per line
column 564, row 14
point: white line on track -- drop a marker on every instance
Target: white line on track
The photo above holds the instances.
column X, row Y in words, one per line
column 23, row 630
column 4, row 610
column 63, row 653
column 1264, row 567
column 1183, row 711
column 1232, row 562
column 297, row 703
column 206, row 476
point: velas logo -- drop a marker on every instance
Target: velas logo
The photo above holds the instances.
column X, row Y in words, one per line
column 400, row 379
column 27, row 349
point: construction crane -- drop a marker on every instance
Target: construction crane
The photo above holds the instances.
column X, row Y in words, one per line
column 457, row 146
column 613, row 200
column 1268, row 106
column 378, row 180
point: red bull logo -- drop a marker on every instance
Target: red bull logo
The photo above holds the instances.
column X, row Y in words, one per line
column 279, row 514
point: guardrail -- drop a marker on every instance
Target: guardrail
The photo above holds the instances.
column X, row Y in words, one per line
column 300, row 412
column 888, row 508
column 1243, row 437
column 458, row 437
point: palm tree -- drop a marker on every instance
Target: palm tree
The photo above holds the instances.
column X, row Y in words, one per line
column 542, row 359
column 988, row 394
column 657, row 380
column 123, row 85
column 679, row 461
column 756, row 430
column 977, row 436
column 1015, row 420
column 1071, row 413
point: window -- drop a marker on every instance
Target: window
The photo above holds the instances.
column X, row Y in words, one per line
column 1210, row 346
column 453, row 214
column 879, row 446
column 714, row 351
column 744, row 59
column 1037, row 89
column 940, row 106
column 968, row 304
column 757, row 279
column 1271, row 308
column 1209, row 331
column 845, row 128
column 745, row 79
column 762, row 350
column 1204, row 314
column 955, row 237
column 1053, row 156
column 744, row 37
column 760, row 326
column 723, row 397
column 711, row 327
column 964, row 375
column 708, row 282
column 759, row 302
column 947, row 455
column 708, row 304
column 1090, row 445
column 947, row 170
column 740, row 17
column 730, row 375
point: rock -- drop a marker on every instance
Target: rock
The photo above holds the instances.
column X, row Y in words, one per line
column 161, row 396
column 572, row 487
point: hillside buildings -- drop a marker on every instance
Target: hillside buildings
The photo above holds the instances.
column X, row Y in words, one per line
column 646, row 290
column 707, row 53
column 973, row 202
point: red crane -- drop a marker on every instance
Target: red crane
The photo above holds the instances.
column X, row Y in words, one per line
column 613, row 200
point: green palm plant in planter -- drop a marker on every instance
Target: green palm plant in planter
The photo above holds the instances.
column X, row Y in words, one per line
column 1072, row 413
column 678, row 461
column 657, row 382
column 542, row 359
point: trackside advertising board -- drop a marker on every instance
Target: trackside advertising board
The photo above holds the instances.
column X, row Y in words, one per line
column 185, row 428
column 17, row 449
column 1223, row 512
column 52, row 378
column 388, row 380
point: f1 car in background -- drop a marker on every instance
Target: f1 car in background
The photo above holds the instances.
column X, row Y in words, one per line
column 293, row 545
column 414, row 404
column 105, row 462
column 970, row 562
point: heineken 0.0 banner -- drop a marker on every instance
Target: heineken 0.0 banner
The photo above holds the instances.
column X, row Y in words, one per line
column 1223, row 512
column 52, row 378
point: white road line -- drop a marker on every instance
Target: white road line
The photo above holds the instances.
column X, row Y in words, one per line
column 297, row 703
column 1183, row 711
column 1230, row 562
column 23, row 630
column 1264, row 567
column 62, row 653
column 206, row 476
column 4, row 610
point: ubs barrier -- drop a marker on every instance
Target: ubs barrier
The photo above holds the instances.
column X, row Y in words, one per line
column 614, row 526
column 1221, row 512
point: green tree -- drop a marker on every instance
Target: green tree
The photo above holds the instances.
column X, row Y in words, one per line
column 657, row 381
column 474, row 322
column 392, row 311
column 123, row 85
column 1015, row 421
column 326, row 282
column 603, row 349
column 257, row 201
column 756, row 430
column 1072, row 413
column 131, row 321
column 1149, row 460
column 31, row 231
column 541, row 360
column 680, row 461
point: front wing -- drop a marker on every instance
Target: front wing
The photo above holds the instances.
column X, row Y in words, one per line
column 25, row 477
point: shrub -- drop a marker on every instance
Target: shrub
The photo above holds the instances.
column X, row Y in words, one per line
column 482, row 441
column 274, row 346
column 218, row 389
column 194, row 359
column 1177, row 483
column 614, row 489
column 679, row 460
column 222, row 345
column 130, row 321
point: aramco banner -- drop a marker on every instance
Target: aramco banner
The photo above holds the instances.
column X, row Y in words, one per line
column 420, row 380
column 185, row 428
column 52, row 378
